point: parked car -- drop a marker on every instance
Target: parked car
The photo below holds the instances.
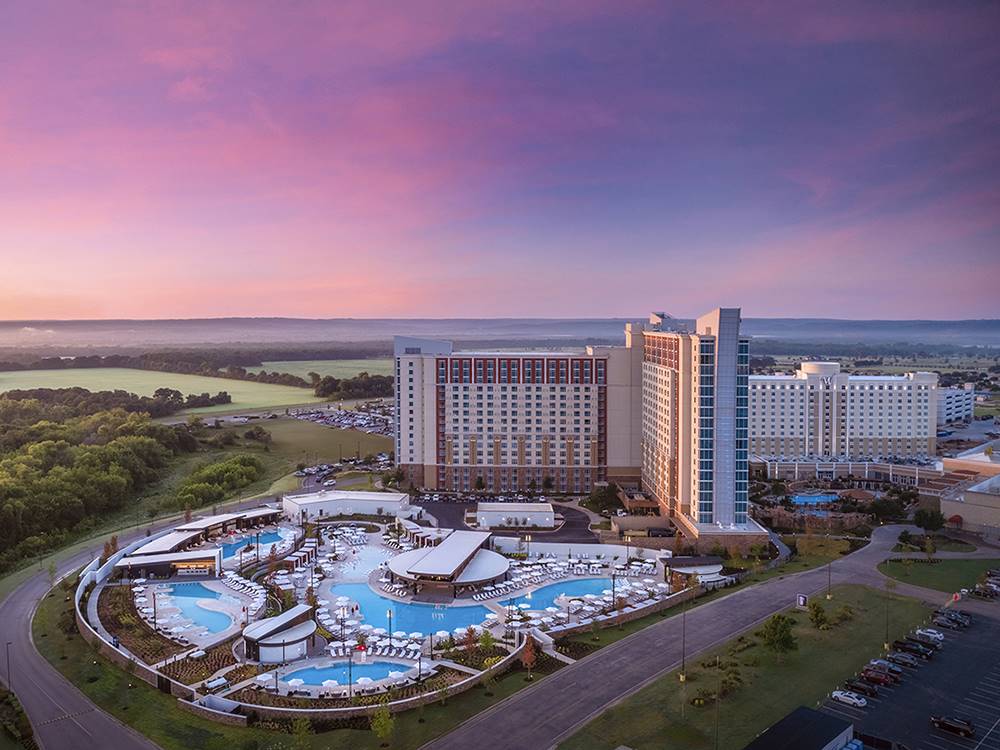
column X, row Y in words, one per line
column 918, row 650
column 947, row 623
column 954, row 725
column 849, row 698
column 936, row 635
column 876, row 677
column 904, row 660
column 981, row 594
column 861, row 687
column 895, row 678
column 957, row 615
column 923, row 640
column 330, row 483
column 887, row 666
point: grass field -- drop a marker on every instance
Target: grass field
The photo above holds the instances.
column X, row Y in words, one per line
column 944, row 575
column 338, row 368
column 661, row 715
column 246, row 394
column 899, row 365
column 157, row 716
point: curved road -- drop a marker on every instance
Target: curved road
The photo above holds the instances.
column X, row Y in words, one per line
column 540, row 716
column 62, row 716
column 550, row 711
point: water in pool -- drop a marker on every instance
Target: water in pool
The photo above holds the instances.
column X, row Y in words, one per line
column 185, row 598
column 359, row 561
column 376, row 670
column 266, row 540
column 424, row 618
column 546, row 595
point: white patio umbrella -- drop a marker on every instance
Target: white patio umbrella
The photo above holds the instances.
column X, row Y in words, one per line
column 366, row 628
column 323, row 602
column 138, row 589
column 524, row 605
column 296, row 682
column 442, row 634
column 330, row 683
column 351, row 623
column 379, row 631
column 492, row 616
column 334, row 644
column 417, row 636
column 139, row 580
column 398, row 634
column 364, row 680
column 140, row 600
column 552, row 609
column 264, row 678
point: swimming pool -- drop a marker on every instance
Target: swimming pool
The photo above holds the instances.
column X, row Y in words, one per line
column 376, row 670
column 424, row 618
column 546, row 596
column 185, row 597
column 232, row 548
column 814, row 499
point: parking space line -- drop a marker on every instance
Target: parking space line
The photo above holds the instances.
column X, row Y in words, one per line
column 934, row 744
column 987, row 734
column 988, row 704
column 836, row 710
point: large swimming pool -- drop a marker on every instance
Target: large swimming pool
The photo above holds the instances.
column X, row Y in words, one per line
column 186, row 596
column 376, row 670
column 814, row 499
column 546, row 596
column 409, row 617
column 266, row 539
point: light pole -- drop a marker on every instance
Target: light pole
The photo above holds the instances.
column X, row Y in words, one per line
column 829, row 580
column 350, row 673
column 10, row 683
column 527, row 538
column 683, row 673
column 388, row 613
column 628, row 540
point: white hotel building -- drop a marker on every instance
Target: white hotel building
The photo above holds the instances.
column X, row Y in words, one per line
column 820, row 412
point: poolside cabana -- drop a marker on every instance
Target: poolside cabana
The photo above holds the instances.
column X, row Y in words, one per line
column 281, row 638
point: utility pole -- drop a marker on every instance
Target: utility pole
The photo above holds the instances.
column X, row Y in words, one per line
column 829, row 580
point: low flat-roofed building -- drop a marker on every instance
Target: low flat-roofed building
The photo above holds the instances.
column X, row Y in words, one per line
column 805, row 729
column 509, row 515
column 206, row 562
column 170, row 542
column 307, row 506
column 976, row 509
column 211, row 525
column 281, row 638
column 460, row 559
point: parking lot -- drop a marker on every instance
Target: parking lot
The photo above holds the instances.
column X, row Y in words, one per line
column 962, row 680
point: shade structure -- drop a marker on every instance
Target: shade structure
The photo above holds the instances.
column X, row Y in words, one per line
column 364, row 680
column 442, row 634
column 524, row 605
column 398, row 634
column 552, row 609
column 323, row 602
column 296, row 682
column 330, row 683
column 350, row 643
column 138, row 589
column 395, row 675
column 264, row 678
column 379, row 631
column 366, row 628
column 417, row 636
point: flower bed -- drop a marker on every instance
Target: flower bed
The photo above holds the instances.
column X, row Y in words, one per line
column 189, row 671
column 475, row 657
column 118, row 615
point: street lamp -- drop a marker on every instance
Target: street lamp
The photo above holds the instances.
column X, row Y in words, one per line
column 527, row 538
column 683, row 673
column 388, row 613
column 628, row 540
column 829, row 580
column 350, row 673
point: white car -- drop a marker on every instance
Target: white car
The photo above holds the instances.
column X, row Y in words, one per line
column 851, row 699
column 330, row 483
column 931, row 633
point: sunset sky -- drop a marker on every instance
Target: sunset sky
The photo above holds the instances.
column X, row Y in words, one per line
column 418, row 159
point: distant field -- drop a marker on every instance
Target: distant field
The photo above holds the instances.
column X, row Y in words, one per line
column 300, row 440
column 338, row 368
column 246, row 395
column 900, row 365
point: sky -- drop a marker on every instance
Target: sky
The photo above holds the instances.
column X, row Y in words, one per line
column 564, row 158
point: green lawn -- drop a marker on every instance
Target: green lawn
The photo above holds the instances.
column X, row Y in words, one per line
column 302, row 440
column 156, row 715
column 661, row 715
column 944, row 575
column 246, row 394
column 338, row 368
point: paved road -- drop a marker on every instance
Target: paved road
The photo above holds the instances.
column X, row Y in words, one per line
column 63, row 718
column 550, row 711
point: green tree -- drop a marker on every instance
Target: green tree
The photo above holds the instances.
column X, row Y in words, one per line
column 487, row 642
column 777, row 636
column 383, row 723
column 929, row 520
column 817, row 615
column 480, row 483
column 489, row 674
column 929, row 548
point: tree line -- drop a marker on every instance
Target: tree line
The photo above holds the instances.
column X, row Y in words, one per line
column 61, row 403
column 63, row 470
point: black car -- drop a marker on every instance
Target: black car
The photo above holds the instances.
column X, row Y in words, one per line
column 918, row 650
column 904, row 660
column 947, row 623
column 859, row 686
column 958, row 615
column 982, row 594
column 923, row 640
column 954, row 725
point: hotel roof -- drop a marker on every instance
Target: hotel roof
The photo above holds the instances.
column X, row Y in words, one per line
column 448, row 557
column 325, row 496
